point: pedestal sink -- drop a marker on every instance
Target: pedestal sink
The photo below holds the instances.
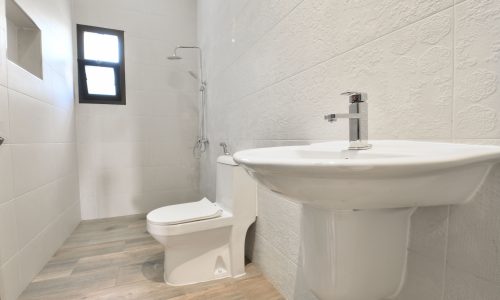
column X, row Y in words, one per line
column 357, row 204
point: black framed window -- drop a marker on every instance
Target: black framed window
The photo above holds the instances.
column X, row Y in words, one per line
column 101, row 65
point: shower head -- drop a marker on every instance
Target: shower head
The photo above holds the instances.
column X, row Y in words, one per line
column 174, row 57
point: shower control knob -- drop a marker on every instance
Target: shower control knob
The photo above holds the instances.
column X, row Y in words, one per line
column 224, row 148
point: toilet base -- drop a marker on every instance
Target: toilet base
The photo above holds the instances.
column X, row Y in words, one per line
column 198, row 257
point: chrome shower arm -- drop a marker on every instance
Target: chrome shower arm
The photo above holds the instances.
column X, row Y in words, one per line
column 200, row 52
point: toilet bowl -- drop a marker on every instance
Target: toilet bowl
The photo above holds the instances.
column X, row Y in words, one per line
column 205, row 240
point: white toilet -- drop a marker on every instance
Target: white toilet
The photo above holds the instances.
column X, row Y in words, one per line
column 203, row 240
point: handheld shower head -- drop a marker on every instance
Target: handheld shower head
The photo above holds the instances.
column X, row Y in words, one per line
column 193, row 74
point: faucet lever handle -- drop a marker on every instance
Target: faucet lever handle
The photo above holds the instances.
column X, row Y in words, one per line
column 356, row 97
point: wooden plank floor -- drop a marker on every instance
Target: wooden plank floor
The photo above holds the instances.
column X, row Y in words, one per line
column 117, row 259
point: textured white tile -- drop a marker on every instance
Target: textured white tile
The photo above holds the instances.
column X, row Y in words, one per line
column 279, row 210
column 477, row 65
column 478, row 142
column 318, row 30
column 414, row 106
column 424, row 278
column 276, row 267
column 473, row 235
column 428, row 232
column 241, row 26
column 280, row 237
column 465, row 286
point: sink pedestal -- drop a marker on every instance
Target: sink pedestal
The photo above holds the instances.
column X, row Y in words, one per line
column 355, row 254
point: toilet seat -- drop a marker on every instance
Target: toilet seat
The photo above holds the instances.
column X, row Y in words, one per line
column 185, row 213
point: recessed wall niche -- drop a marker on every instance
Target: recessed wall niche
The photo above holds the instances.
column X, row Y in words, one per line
column 24, row 39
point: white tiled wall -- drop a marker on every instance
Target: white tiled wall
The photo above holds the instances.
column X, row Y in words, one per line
column 138, row 157
column 39, row 201
column 431, row 70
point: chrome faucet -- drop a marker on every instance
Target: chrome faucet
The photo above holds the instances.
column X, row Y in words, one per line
column 358, row 120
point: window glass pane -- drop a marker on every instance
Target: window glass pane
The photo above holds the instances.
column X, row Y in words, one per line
column 100, row 80
column 101, row 47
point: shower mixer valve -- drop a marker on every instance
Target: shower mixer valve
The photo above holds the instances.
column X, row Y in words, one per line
column 225, row 148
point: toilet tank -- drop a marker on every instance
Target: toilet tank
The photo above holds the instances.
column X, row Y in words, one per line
column 236, row 191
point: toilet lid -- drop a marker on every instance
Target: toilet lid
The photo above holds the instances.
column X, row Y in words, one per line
column 185, row 212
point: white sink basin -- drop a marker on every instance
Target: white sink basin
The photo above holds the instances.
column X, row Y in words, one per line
column 357, row 204
column 392, row 174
